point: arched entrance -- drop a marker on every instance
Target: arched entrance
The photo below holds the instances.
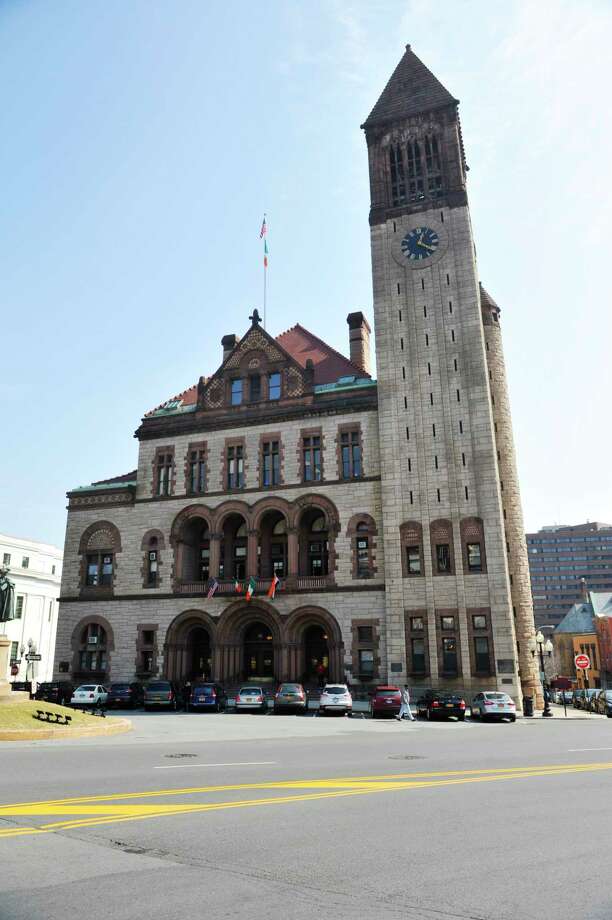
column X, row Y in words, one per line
column 198, row 658
column 258, row 647
column 316, row 654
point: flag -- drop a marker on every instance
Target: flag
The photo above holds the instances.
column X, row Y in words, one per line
column 265, row 253
column 272, row 588
column 251, row 588
column 264, row 229
column 237, row 586
column 213, row 584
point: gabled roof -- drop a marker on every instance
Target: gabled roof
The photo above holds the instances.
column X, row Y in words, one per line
column 329, row 364
column 579, row 619
column 300, row 345
column 411, row 89
column 602, row 603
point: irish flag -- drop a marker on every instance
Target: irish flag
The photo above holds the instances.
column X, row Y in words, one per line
column 272, row 588
column 237, row 586
column 250, row 588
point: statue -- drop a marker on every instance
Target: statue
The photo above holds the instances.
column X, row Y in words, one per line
column 7, row 597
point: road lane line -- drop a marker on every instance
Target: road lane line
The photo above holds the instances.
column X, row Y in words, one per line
column 108, row 814
column 574, row 750
column 246, row 763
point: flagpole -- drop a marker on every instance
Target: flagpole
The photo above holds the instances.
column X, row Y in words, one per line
column 265, row 294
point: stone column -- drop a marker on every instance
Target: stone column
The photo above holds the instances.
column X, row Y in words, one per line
column 292, row 552
column 215, row 554
column 252, row 543
column 518, row 564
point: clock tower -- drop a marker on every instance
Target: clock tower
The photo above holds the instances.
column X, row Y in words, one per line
column 458, row 599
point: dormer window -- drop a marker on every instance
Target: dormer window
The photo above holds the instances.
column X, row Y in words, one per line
column 254, row 388
column 274, row 385
column 236, row 392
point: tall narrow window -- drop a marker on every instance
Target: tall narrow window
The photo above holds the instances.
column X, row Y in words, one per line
column 350, row 449
column 449, row 655
column 363, row 556
column 99, row 569
column 474, row 557
column 398, row 182
column 481, row 653
column 311, row 455
column 152, row 561
column 254, row 388
column 415, row 172
column 413, row 560
column 270, row 466
column 197, row 471
column 274, row 385
column 235, row 467
column 164, row 474
column 419, row 664
column 443, row 558
column 236, row 397
column 19, row 607
column 25, row 562
column 204, row 554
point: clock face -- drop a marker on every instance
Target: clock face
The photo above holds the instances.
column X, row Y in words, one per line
column 420, row 243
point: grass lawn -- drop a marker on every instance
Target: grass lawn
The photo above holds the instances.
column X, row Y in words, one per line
column 18, row 715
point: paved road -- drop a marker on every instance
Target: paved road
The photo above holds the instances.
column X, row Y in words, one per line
column 255, row 817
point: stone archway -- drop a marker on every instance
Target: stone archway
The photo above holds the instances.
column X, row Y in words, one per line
column 312, row 634
column 189, row 648
column 238, row 633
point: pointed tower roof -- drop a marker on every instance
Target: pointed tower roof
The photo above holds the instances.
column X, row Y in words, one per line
column 411, row 89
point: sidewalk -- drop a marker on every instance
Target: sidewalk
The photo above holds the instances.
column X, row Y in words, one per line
column 576, row 714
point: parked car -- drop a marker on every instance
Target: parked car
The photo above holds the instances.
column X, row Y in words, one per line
column 162, row 693
column 440, row 704
column 336, row 698
column 290, row 696
column 251, row 699
column 578, row 699
column 603, row 703
column 489, row 705
column 89, row 695
column 386, row 701
column 589, row 700
column 55, row 691
column 207, row 697
column 125, row 695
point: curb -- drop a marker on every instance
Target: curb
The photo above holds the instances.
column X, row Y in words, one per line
column 116, row 727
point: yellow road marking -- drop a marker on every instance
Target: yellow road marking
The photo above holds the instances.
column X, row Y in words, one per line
column 92, row 813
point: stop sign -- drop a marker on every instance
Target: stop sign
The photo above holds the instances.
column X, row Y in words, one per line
column 14, row 669
column 582, row 662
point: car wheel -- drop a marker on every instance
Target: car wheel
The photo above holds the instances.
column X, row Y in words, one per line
column 461, row 717
column 513, row 718
column 428, row 715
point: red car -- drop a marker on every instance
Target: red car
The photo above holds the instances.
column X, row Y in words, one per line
column 386, row 701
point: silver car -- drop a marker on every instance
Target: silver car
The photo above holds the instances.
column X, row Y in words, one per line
column 251, row 699
column 336, row 698
column 491, row 705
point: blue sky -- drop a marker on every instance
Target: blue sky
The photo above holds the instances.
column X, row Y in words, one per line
column 143, row 139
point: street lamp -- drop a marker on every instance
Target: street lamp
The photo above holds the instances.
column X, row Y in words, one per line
column 539, row 644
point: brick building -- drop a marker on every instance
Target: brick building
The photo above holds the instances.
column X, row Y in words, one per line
column 561, row 558
column 389, row 509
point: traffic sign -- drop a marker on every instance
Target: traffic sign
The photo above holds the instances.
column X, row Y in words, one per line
column 14, row 670
column 33, row 657
column 582, row 662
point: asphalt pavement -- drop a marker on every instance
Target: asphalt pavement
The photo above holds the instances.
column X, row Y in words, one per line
column 238, row 816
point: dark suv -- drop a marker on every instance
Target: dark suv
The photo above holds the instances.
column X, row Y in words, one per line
column 207, row 696
column 125, row 694
column 55, row 691
column 163, row 693
column 441, row 704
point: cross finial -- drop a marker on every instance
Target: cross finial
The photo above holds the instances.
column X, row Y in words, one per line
column 255, row 318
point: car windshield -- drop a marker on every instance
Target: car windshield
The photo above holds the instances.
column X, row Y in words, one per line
column 388, row 692
column 159, row 685
column 87, row 687
column 336, row 691
column 249, row 691
column 496, row 696
column 206, row 689
column 608, row 694
column 120, row 686
column 289, row 688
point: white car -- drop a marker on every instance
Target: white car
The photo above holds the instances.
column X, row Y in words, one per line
column 336, row 698
column 89, row 695
column 250, row 699
column 490, row 705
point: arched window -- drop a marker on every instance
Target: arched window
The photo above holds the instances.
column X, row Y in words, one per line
column 152, row 563
column 442, row 549
column 98, row 548
column 361, row 530
column 411, row 540
column 93, row 649
column 152, row 545
column 473, row 546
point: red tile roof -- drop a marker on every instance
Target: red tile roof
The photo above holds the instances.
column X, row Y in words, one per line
column 301, row 345
column 329, row 364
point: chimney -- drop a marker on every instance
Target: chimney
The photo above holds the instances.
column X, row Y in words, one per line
column 229, row 342
column 584, row 591
column 359, row 340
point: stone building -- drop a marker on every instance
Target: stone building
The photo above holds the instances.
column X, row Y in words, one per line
column 389, row 509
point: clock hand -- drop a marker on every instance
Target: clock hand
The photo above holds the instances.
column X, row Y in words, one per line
column 425, row 246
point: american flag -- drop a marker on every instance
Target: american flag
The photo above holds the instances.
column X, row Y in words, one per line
column 212, row 587
column 264, row 229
